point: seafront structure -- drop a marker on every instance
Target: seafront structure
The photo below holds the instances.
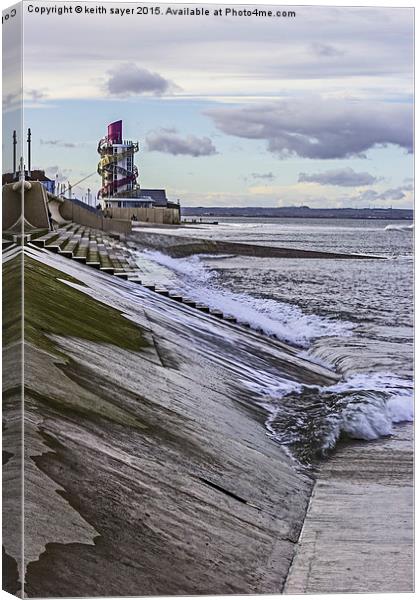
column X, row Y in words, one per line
column 121, row 194
column 117, row 169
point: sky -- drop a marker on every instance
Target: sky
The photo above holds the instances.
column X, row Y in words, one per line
column 311, row 110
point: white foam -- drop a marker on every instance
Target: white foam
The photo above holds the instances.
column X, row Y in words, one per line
column 192, row 266
column 374, row 402
column 399, row 227
column 284, row 321
column 366, row 405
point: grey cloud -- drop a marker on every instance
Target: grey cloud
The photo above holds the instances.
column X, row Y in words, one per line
column 36, row 95
column 397, row 193
column 53, row 171
column 11, row 101
column 319, row 128
column 170, row 142
column 129, row 79
column 343, row 177
column 58, row 143
column 326, row 50
column 268, row 176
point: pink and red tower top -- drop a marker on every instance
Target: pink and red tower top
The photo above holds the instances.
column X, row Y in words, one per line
column 115, row 132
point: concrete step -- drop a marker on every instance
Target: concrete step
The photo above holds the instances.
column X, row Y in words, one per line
column 203, row 308
column 39, row 233
column 189, row 302
column 69, row 247
column 230, row 319
column 59, row 243
column 92, row 257
column 48, row 237
column 82, row 249
column 175, row 296
column 106, row 263
column 162, row 291
column 91, row 262
column 7, row 244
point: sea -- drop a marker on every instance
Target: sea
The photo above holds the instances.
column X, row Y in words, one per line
column 353, row 316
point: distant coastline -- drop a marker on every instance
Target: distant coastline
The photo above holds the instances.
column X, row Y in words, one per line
column 304, row 212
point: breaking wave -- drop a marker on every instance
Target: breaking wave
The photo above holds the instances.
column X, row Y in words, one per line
column 400, row 227
column 286, row 322
column 310, row 420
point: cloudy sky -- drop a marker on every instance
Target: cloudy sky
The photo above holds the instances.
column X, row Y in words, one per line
column 313, row 110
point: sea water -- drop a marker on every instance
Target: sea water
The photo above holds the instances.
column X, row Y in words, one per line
column 355, row 316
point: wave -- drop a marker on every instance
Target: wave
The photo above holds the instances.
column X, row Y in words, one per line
column 310, row 420
column 286, row 322
column 399, row 227
column 240, row 225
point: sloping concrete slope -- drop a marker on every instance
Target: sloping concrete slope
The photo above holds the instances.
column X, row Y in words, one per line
column 148, row 468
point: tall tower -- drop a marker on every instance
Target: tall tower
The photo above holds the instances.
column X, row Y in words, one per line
column 116, row 165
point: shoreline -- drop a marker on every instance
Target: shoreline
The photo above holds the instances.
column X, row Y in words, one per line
column 196, row 490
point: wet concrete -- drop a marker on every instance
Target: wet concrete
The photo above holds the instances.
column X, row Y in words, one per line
column 150, row 471
column 358, row 533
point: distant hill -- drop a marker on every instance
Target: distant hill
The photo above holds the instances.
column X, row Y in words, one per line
column 299, row 211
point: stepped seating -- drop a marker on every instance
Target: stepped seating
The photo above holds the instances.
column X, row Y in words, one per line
column 59, row 242
column 202, row 308
column 92, row 257
column 189, row 302
column 162, row 291
column 81, row 252
column 69, row 247
column 42, row 240
column 230, row 318
column 106, row 253
column 105, row 262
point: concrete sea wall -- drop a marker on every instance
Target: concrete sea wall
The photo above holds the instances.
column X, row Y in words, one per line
column 148, row 467
column 78, row 214
column 158, row 215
